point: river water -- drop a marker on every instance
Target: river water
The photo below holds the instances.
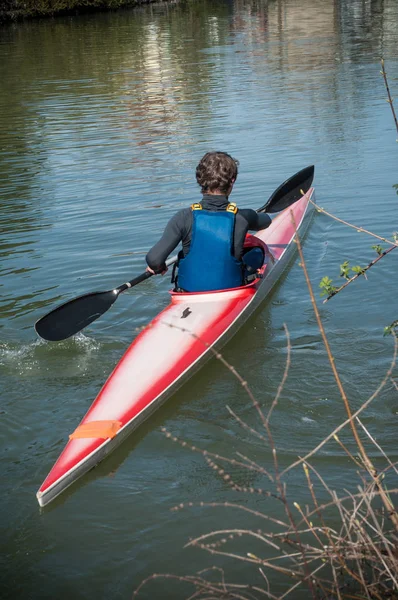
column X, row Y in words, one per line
column 103, row 119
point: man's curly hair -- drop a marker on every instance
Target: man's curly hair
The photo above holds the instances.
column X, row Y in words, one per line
column 216, row 171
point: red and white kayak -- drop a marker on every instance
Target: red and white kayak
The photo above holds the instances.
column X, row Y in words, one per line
column 168, row 351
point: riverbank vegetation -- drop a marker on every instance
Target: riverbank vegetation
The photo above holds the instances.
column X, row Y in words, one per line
column 343, row 543
column 12, row 10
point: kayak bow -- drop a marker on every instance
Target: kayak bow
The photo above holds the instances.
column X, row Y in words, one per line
column 175, row 345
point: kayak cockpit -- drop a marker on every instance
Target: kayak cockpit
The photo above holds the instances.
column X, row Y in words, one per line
column 255, row 253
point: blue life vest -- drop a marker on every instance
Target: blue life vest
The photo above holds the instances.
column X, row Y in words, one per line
column 210, row 264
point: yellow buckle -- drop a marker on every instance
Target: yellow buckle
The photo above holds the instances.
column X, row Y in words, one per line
column 196, row 206
column 232, row 208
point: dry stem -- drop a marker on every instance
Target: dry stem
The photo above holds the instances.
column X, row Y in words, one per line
column 383, row 72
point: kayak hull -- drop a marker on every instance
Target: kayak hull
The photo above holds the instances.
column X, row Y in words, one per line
column 171, row 349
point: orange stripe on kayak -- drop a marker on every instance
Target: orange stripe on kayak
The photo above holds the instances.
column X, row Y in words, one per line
column 97, row 429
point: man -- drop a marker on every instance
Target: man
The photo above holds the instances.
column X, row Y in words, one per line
column 212, row 232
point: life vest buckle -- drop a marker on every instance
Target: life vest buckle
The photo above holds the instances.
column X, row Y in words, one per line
column 232, row 208
column 196, row 206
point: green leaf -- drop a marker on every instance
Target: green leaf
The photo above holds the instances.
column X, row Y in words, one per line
column 358, row 270
column 378, row 249
column 345, row 270
column 390, row 328
column 326, row 286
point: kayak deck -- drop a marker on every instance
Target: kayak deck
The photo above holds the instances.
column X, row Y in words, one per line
column 168, row 351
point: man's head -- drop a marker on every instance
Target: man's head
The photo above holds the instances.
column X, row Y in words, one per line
column 217, row 172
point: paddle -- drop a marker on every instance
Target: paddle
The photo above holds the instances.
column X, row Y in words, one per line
column 74, row 315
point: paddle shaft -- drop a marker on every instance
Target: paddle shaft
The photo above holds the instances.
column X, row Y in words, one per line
column 145, row 275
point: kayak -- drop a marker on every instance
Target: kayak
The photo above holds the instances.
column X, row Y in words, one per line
column 175, row 344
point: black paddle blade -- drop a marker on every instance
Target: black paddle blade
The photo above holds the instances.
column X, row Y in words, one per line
column 73, row 316
column 290, row 191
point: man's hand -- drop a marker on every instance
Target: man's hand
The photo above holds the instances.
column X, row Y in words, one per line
column 154, row 273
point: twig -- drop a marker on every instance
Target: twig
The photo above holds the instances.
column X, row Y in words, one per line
column 359, row 229
column 252, row 462
column 245, row 425
column 325, row 529
column 299, row 582
column 198, row 582
column 383, row 72
column 230, row 505
column 239, row 532
column 206, row 453
column 344, row 447
column 239, row 488
column 360, row 577
column 285, row 374
column 256, row 560
column 377, row 446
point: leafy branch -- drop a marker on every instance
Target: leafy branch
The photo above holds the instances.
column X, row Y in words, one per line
column 326, row 284
column 391, row 329
column 327, row 287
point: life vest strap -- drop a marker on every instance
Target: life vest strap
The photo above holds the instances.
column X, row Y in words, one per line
column 232, row 208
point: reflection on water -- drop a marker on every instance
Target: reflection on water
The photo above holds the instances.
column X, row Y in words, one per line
column 103, row 119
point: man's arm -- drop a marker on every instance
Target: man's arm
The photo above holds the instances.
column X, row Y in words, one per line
column 170, row 239
column 255, row 220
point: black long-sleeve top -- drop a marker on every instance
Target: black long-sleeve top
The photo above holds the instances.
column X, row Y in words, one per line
column 179, row 229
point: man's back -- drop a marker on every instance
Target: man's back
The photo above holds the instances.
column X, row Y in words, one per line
column 179, row 229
